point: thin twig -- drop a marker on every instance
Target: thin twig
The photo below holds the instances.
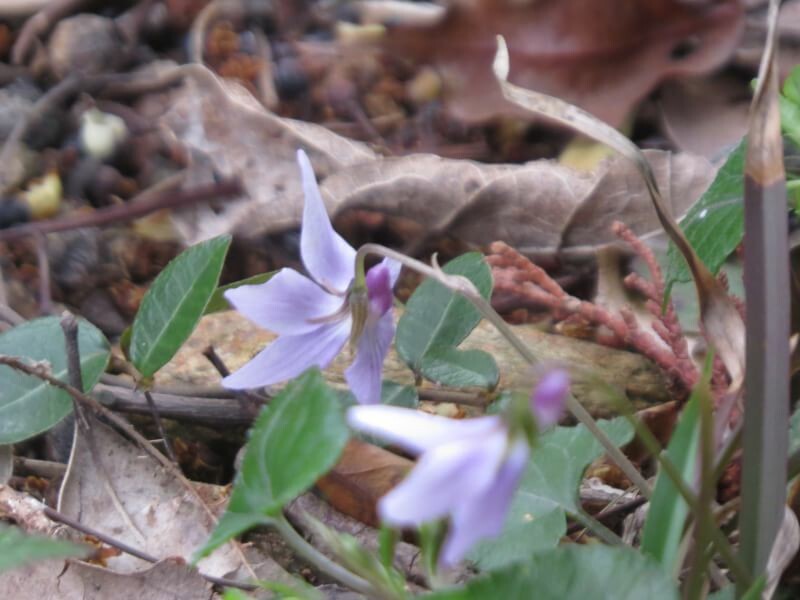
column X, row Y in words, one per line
column 250, row 402
column 43, row 261
column 465, row 398
column 160, row 426
column 146, row 203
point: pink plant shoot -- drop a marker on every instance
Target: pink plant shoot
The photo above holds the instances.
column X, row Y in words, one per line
column 314, row 318
column 468, row 469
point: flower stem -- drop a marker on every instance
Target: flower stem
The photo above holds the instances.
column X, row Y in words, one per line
column 462, row 285
column 319, row 560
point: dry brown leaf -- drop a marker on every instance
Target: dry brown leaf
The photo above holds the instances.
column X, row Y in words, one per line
column 229, row 133
column 602, row 56
column 56, row 580
column 783, row 551
column 237, row 341
column 363, row 474
column 705, row 115
column 160, row 517
column 539, row 207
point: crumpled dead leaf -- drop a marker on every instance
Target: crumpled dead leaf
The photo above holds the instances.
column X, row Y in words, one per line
column 229, row 133
column 363, row 474
column 57, row 580
column 540, row 206
column 601, row 56
column 161, row 517
column 75, row 580
column 783, row 551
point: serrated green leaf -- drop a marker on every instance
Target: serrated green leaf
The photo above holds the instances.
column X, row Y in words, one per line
column 573, row 571
column 436, row 317
column 18, row 549
column 548, row 491
column 668, row 510
column 28, row 406
column 297, row 438
column 460, row 368
column 715, row 224
column 173, row 305
column 397, row 394
column 218, row 303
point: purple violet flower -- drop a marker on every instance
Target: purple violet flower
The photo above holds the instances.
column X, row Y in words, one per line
column 468, row 469
column 314, row 319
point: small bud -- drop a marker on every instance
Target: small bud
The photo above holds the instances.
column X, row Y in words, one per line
column 548, row 398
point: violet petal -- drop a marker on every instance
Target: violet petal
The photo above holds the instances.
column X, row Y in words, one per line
column 416, row 431
column 483, row 515
column 328, row 257
column 379, row 289
column 364, row 375
column 285, row 304
column 549, row 397
column 444, row 477
column 394, row 268
column 290, row 355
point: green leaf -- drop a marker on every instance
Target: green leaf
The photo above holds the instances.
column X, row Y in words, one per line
column 794, row 432
column 549, row 489
column 572, row 571
column 29, row 406
column 667, row 515
column 436, row 317
column 218, row 303
column 460, row 368
column 790, row 106
column 173, row 305
column 17, row 548
column 397, row 394
column 297, row 438
column 715, row 224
